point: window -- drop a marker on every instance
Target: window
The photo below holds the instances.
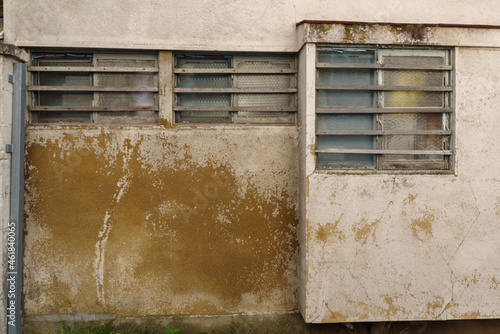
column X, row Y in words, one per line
column 383, row 108
column 94, row 88
column 235, row 89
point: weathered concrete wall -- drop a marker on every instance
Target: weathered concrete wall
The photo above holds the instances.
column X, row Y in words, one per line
column 156, row 221
column 397, row 34
column 259, row 25
column 409, row 247
column 5, row 138
column 203, row 220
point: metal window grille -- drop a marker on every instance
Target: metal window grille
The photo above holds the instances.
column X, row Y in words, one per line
column 94, row 88
column 383, row 108
column 235, row 89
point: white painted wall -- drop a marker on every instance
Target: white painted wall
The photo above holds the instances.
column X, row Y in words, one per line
column 412, row 247
column 259, row 25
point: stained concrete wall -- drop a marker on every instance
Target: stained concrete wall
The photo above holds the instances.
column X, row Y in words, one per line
column 409, row 247
column 259, row 25
column 154, row 221
column 203, row 220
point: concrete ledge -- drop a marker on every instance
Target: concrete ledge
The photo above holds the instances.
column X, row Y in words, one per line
column 13, row 51
column 397, row 34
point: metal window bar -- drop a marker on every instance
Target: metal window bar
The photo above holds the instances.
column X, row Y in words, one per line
column 384, row 66
column 93, row 89
column 375, row 151
column 92, row 69
column 338, row 110
column 91, row 108
column 381, row 132
column 234, row 71
column 386, row 88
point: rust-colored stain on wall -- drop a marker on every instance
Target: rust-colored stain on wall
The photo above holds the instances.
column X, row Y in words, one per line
column 422, row 227
column 151, row 224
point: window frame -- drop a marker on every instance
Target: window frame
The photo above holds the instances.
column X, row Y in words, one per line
column 382, row 165
column 284, row 115
column 94, row 89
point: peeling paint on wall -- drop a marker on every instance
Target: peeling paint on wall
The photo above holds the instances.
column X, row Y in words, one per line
column 139, row 223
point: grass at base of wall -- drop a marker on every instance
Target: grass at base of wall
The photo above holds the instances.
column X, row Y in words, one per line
column 245, row 324
column 111, row 328
column 237, row 324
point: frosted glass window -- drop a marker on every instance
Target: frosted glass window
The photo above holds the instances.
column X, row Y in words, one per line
column 258, row 89
column 90, row 96
column 393, row 102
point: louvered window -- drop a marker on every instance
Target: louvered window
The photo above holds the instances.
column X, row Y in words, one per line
column 235, row 89
column 94, row 88
column 383, row 108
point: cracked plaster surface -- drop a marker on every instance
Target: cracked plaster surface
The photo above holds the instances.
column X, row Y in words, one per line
column 381, row 267
column 414, row 247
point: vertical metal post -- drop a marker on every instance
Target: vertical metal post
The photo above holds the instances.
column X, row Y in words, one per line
column 16, row 225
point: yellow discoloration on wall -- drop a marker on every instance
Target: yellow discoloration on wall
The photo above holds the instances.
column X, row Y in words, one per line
column 363, row 230
column 312, row 148
column 471, row 280
column 334, row 316
column 166, row 124
column 390, row 308
column 435, row 306
column 472, row 315
column 422, row 227
column 330, row 230
column 411, row 198
column 147, row 224
column 393, row 307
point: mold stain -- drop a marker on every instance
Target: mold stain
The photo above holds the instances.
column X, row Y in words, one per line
column 181, row 238
column 321, row 29
column 355, row 33
column 409, row 33
column 422, row 228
